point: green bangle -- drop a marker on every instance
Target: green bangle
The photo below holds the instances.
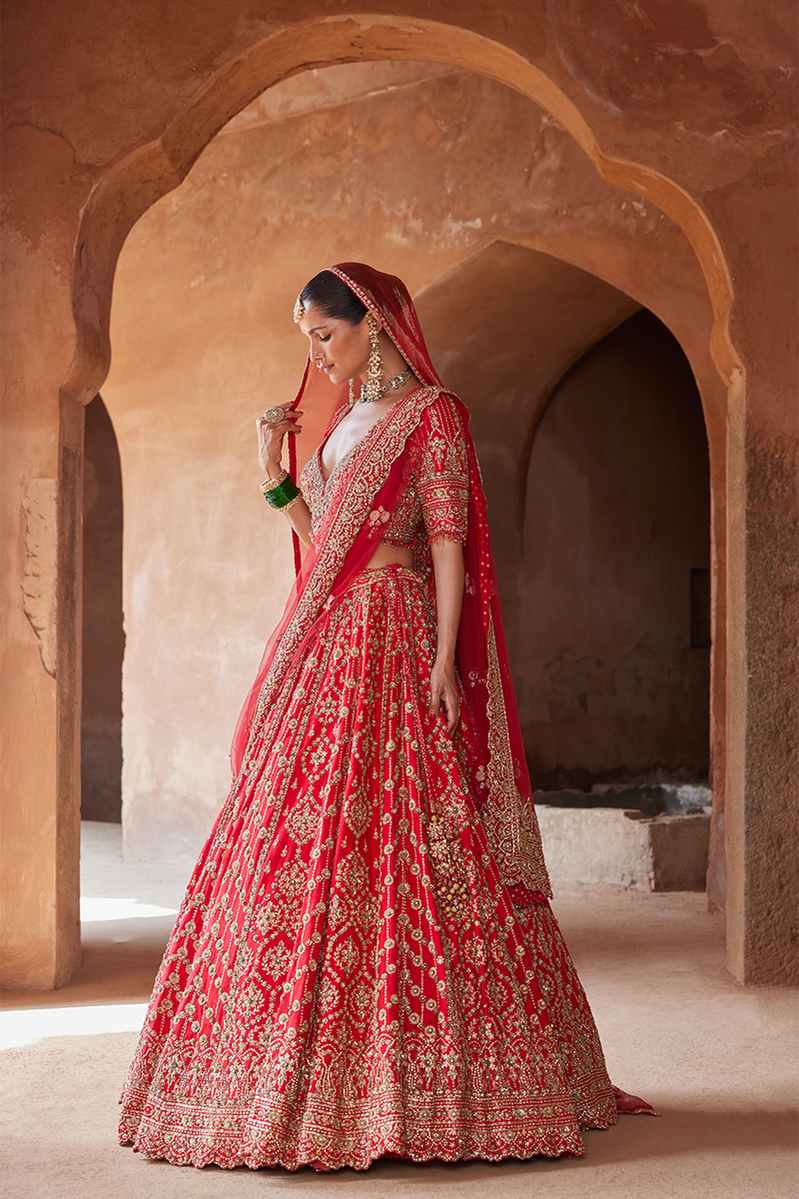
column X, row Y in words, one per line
column 285, row 493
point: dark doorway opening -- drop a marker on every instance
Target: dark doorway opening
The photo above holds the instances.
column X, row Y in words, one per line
column 103, row 636
column 616, row 569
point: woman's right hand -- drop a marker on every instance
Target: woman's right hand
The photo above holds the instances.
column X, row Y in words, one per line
column 270, row 439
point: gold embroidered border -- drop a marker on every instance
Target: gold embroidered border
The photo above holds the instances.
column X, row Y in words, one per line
column 509, row 818
column 366, row 474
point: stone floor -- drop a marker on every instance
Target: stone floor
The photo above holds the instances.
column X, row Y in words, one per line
column 719, row 1061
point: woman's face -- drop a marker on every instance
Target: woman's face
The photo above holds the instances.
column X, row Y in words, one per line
column 340, row 350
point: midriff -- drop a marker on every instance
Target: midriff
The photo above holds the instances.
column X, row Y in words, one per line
column 389, row 555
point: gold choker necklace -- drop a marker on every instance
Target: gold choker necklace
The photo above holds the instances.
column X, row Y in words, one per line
column 392, row 385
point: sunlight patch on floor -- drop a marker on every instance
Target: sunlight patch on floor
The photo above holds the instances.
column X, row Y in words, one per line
column 119, row 909
column 28, row 1025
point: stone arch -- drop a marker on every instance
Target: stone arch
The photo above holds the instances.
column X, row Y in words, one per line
column 138, row 180
column 547, row 320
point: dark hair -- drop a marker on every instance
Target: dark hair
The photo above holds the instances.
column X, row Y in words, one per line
column 333, row 298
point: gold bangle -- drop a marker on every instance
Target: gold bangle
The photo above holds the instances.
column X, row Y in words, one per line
column 291, row 503
column 270, row 484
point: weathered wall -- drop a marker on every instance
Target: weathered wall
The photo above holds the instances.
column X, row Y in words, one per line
column 40, row 753
column 203, row 340
column 690, row 105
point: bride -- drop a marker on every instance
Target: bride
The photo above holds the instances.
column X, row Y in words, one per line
column 366, row 962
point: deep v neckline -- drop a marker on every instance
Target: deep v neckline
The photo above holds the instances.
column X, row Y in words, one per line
column 359, row 442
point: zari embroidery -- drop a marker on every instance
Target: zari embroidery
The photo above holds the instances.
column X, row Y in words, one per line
column 508, row 816
column 436, row 492
column 357, row 982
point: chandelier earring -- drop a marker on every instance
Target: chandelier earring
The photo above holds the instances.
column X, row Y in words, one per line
column 374, row 388
column 371, row 390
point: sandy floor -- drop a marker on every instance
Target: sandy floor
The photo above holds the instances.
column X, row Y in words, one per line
column 719, row 1061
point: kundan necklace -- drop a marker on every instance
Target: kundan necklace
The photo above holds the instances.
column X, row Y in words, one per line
column 368, row 396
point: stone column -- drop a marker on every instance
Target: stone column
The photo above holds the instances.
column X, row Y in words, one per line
column 40, row 570
column 762, row 842
column 762, row 817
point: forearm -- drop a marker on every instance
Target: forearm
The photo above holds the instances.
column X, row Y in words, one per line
column 449, row 575
column 278, row 491
column 270, row 449
column 299, row 517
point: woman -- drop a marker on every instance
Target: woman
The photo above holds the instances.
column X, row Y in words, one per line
column 365, row 962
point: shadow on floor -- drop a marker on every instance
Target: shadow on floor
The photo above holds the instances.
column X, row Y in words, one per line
column 636, row 1139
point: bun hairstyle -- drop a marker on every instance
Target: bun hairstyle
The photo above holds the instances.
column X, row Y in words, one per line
column 333, row 298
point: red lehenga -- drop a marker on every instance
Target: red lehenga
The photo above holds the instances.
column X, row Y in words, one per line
column 365, row 962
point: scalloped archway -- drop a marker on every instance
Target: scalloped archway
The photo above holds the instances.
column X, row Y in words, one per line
column 150, row 172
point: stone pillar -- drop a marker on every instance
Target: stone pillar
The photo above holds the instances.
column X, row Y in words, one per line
column 40, row 844
column 762, row 814
column 40, row 569
column 761, row 818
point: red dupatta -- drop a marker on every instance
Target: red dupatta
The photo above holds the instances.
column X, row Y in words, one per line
column 370, row 486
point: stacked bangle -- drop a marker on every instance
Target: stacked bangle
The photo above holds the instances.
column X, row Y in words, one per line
column 290, row 503
column 268, row 484
column 281, row 492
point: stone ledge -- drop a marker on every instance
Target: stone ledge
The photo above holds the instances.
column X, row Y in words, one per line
column 653, row 799
column 625, row 848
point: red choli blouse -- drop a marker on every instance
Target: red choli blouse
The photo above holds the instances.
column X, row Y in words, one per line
column 436, row 492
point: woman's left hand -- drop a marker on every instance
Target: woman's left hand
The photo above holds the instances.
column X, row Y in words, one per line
column 444, row 692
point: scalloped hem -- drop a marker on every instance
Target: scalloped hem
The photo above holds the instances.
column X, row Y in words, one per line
column 573, row 1147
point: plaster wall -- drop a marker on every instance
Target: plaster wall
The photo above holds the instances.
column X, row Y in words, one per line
column 203, row 340
column 40, row 778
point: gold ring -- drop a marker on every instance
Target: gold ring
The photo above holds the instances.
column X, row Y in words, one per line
column 274, row 416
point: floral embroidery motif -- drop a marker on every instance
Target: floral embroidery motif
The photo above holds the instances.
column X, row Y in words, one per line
column 377, row 518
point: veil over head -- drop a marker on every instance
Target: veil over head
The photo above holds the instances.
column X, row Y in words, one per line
column 388, row 298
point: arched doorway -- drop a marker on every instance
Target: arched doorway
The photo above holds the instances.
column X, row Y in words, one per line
column 202, row 334
column 614, row 672
column 137, row 181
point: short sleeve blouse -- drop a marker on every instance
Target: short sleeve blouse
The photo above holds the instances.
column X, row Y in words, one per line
column 436, row 493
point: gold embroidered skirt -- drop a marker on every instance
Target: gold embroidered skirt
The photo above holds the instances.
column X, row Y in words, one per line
column 348, row 976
